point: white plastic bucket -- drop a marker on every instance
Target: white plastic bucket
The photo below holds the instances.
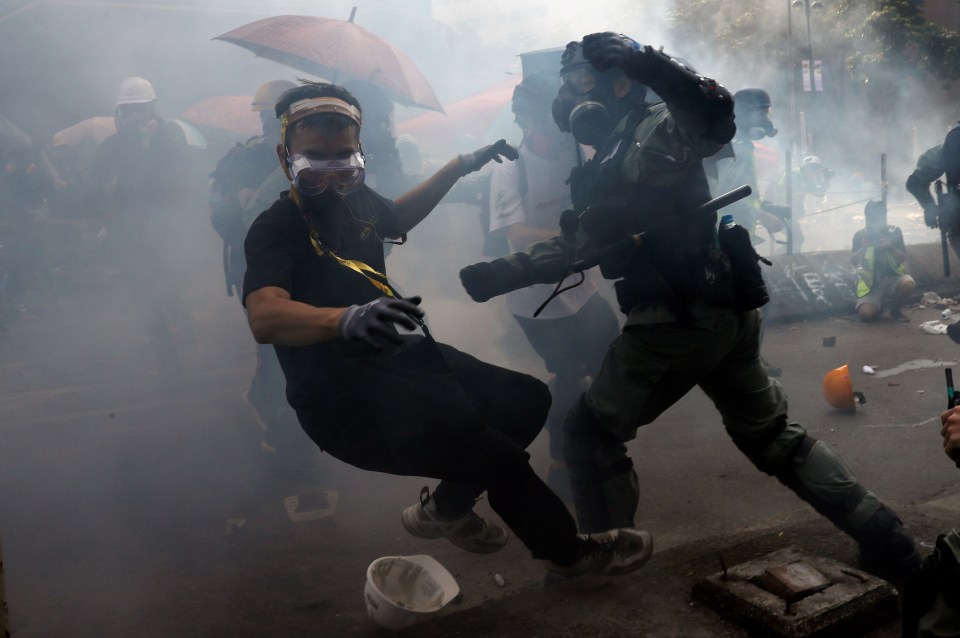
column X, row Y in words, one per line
column 403, row 590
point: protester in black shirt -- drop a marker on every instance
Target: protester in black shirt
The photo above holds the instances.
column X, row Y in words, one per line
column 382, row 401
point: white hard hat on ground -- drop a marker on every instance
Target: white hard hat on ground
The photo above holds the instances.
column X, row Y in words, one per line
column 135, row 91
column 403, row 590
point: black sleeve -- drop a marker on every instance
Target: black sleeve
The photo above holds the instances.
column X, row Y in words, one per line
column 951, row 157
column 270, row 253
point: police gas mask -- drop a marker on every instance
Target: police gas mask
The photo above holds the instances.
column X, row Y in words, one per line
column 581, row 106
column 752, row 108
column 760, row 125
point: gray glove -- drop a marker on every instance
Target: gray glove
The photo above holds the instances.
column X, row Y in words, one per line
column 375, row 322
column 481, row 157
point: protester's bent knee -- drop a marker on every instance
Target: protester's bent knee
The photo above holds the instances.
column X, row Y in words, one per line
column 905, row 286
column 867, row 312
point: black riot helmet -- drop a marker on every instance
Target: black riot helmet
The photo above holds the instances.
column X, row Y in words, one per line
column 751, row 108
column 586, row 98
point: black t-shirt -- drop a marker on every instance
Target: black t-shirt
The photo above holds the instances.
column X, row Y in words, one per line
column 279, row 253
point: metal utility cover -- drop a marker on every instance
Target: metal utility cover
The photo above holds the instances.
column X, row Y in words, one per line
column 793, row 595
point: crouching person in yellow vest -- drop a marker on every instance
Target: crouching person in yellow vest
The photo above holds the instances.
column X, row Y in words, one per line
column 880, row 257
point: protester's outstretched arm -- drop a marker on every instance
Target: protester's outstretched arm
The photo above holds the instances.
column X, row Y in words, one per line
column 417, row 203
column 277, row 319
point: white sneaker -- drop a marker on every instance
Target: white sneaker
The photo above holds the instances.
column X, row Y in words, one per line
column 614, row 552
column 470, row 532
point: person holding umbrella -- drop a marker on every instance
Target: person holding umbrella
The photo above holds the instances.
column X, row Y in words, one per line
column 379, row 400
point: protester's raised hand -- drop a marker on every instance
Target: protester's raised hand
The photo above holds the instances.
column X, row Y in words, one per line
column 476, row 160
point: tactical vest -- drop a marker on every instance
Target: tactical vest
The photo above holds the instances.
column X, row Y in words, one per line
column 679, row 261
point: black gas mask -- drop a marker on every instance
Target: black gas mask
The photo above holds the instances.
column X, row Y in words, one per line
column 762, row 127
column 752, row 108
column 583, row 111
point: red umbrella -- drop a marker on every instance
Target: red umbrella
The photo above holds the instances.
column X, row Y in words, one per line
column 474, row 115
column 225, row 112
column 337, row 50
column 93, row 129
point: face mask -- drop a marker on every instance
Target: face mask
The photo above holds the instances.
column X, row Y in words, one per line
column 763, row 127
column 311, row 177
column 584, row 115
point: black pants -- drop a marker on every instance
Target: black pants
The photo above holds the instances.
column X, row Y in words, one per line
column 435, row 411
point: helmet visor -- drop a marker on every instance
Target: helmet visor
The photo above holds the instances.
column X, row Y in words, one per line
column 314, row 176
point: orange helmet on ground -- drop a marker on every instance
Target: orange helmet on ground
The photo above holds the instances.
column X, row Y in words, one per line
column 838, row 390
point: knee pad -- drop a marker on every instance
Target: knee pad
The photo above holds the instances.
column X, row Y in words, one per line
column 819, row 475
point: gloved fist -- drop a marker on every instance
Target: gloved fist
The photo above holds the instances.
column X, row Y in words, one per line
column 607, row 50
column 489, row 279
column 376, row 322
column 930, row 214
column 481, row 157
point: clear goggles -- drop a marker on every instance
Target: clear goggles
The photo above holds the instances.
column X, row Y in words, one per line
column 314, row 176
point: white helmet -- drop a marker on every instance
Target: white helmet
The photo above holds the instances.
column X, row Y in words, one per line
column 404, row 590
column 135, row 91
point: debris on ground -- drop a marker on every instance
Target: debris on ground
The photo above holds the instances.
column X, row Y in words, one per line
column 233, row 524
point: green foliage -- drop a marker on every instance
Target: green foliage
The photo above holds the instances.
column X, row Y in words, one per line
column 868, row 36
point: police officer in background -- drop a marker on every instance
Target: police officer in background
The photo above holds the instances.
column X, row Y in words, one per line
column 690, row 321
column 932, row 164
column 751, row 108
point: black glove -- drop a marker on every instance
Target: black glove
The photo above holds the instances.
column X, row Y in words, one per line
column 481, row 157
column 953, row 331
column 607, row 50
column 930, row 214
column 374, row 322
column 489, row 279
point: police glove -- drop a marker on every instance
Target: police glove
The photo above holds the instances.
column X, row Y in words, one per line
column 607, row 50
column 481, row 157
column 489, row 279
column 930, row 214
column 376, row 322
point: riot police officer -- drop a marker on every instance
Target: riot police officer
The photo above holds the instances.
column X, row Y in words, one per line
column 931, row 165
column 690, row 296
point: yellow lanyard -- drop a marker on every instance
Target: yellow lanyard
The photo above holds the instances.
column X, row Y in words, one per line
column 378, row 279
column 372, row 275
